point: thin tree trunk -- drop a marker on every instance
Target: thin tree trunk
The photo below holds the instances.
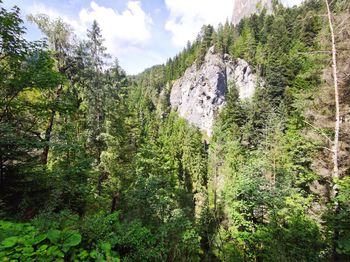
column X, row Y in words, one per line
column 336, row 92
column 336, row 130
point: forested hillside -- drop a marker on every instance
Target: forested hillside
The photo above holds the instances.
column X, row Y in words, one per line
column 95, row 165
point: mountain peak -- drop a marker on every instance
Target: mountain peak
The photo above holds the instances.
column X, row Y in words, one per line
column 244, row 8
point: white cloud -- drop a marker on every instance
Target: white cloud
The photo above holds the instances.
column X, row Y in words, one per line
column 78, row 28
column 187, row 17
column 124, row 31
column 129, row 28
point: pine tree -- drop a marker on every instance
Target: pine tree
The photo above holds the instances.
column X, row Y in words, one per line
column 206, row 40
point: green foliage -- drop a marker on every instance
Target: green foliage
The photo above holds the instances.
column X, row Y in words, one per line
column 24, row 242
column 260, row 170
column 28, row 80
column 338, row 221
column 206, row 40
column 102, row 170
column 245, row 45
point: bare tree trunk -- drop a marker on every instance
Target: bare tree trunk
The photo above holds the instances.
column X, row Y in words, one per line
column 336, row 130
column 336, row 91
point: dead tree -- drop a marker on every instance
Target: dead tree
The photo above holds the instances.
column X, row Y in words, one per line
column 335, row 147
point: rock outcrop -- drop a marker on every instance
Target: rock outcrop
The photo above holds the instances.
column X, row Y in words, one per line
column 245, row 8
column 200, row 93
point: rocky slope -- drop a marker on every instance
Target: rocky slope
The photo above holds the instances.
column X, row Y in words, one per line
column 244, row 8
column 200, row 93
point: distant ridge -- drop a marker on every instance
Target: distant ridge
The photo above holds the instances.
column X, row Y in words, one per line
column 244, row 8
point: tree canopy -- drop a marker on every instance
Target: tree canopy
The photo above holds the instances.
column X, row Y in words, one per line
column 95, row 165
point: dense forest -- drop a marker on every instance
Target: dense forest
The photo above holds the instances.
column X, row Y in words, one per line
column 96, row 166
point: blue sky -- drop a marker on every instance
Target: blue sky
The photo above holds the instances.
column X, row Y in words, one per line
column 140, row 33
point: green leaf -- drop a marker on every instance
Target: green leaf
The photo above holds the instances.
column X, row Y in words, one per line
column 42, row 248
column 16, row 255
column 106, row 247
column 9, row 242
column 59, row 253
column 83, row 255
column 39, row 238
column 54, row 236
column 28, row 251
column 72, row 239
column 5, row 225
column 55, row 252
column 52, row 250
column 93, row 254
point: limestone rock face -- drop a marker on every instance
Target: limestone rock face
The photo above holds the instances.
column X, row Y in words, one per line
column 239, row 72
column 200, row 93
column 245, row 8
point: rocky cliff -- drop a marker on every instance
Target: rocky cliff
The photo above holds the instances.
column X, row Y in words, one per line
column 245, row 8
column 200, row 93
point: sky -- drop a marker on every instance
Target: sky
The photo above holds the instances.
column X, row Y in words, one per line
column 140, row 33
